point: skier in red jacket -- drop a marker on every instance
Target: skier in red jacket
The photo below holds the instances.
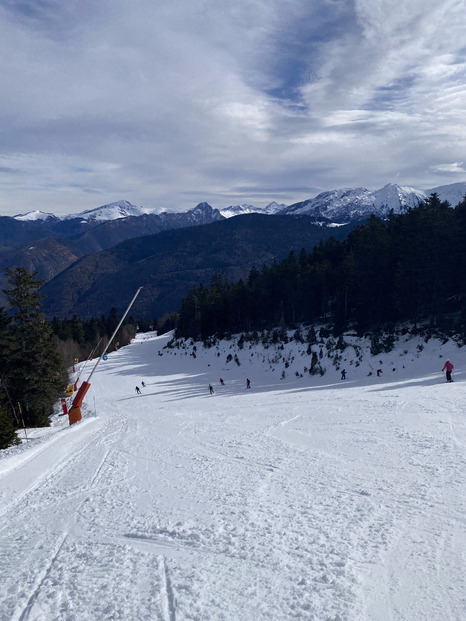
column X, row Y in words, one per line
column 448, row 367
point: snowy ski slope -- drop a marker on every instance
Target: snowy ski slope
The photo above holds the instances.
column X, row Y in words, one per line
column 303, row 498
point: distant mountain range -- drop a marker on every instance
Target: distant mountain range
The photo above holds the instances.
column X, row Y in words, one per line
column 48, row 244
column 333, row 207
column 53, row 245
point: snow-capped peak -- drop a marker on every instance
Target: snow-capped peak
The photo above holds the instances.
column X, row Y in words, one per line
column 346, row 204
column 202, row 208
column 339, row 205
column 203, row 213
column 454, row 193
column 112, row 211
column 34, row 216
column 274, row 208
column 396, row 197
column 238, row 210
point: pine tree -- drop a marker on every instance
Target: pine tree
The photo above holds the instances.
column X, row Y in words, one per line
column 7, row 346
column 8, row 435
column 8, row 426
column 5, row 342
column 35, row 376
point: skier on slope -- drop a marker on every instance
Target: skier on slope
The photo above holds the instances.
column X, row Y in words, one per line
column 448, row 367
column 211, row 389
column 138, row 390
column 248, row 383
column 343, row 374
column 143, row 385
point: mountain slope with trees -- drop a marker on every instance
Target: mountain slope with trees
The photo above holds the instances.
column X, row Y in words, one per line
column 50, row 245
column 169, row 263
column 411, row 267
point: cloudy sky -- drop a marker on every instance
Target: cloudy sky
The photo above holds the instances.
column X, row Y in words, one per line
column 167, row 103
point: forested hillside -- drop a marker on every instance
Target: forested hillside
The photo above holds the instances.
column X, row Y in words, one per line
column 411, row 267
column 169, row 263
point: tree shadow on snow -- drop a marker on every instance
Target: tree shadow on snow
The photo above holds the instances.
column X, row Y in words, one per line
column 165, row 377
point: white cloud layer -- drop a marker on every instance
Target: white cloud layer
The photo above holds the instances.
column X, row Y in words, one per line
column 169, row 103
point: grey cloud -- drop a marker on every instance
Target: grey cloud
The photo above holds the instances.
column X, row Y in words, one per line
column 7, row 170
column 53, row 19
column 165, row 103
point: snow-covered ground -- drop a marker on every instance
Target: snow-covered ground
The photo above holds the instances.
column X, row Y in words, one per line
column 305, row 498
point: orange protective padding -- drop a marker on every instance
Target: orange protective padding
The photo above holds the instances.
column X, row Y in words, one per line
column 74, row 415
column 78, row 400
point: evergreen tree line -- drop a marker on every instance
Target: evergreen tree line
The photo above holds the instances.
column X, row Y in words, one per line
column 32, row 373
column 411, row 267
column 77, row 338
column 36, row 353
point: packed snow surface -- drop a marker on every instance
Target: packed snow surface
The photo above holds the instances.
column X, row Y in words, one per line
column 309, row 498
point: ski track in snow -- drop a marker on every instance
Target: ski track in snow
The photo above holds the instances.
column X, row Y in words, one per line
column 309, row 499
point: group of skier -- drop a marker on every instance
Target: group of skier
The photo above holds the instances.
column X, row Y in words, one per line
column 447, row 367
column 138, row 390
column 222, row 383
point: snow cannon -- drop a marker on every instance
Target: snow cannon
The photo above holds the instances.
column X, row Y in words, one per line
column 74, row 413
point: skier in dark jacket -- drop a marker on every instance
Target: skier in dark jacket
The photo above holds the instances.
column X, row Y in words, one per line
column 211, row 389
column 343, row 374
column 138, row 390
column 248, row 383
